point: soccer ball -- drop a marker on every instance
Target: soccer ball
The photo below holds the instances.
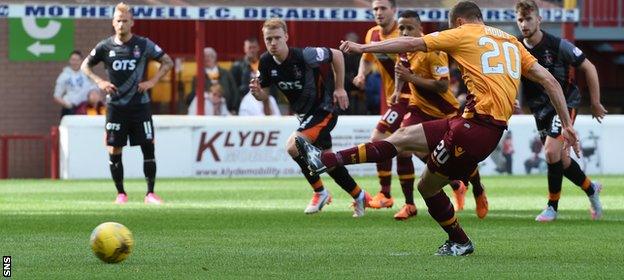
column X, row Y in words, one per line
column 112, row 242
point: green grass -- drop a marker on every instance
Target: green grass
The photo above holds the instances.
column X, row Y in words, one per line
column 256, row 229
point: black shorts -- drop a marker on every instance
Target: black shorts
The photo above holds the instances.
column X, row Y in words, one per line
column 317, row 127
column 132, row 121
column 550, row 125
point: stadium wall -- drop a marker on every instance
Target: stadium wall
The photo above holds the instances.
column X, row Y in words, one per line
column 27, row 106
column 254, row 147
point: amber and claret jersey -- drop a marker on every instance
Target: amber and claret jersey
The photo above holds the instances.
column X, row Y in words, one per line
column 492, row 63
column 385, row 62
column 433, row 66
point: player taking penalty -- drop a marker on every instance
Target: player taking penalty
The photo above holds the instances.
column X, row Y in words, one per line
column 424, row 76
column 492, row 63
column 398, row 101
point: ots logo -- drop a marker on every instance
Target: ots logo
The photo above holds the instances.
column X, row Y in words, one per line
column 113, row 126
column 290, row 85
column 124, row 64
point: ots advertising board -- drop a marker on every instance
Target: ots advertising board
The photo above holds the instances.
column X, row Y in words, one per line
column 160, row 12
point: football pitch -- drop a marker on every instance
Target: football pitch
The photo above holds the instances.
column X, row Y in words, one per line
column 256, row 229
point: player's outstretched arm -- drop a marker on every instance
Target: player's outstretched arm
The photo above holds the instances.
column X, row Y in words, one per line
column 395, row 45
column 539, row 74
column 102, row 84
column 340, row 95
column 165, row 65
column 591, row 75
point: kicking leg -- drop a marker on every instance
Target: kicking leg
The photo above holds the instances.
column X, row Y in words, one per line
column 406, row 139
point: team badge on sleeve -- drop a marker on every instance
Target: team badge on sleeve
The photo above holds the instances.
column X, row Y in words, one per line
column 320, row 54
column 577, row 51
column 441, row 70
column 157, row 48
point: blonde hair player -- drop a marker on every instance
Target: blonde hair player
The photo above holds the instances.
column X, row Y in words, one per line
column 128, row 115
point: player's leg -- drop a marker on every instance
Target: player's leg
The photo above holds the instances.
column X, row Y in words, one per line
column 321, row 196
column 459, row 194
column 361, row 198
column 478, row 191
column 463, row 145
column 116, row 168
column 552, row 151
column 406, row 139
column 440, row 208
column 141, row 133
column 550, row 128
column 574, row 173
column 384, row 173
column 405, row 167
column 116, row 138
column 458, row 186
column 435, row 176
column 388, row 124
column 379, row 151
column 405, row 170
column 149, row 166
column 318, row 132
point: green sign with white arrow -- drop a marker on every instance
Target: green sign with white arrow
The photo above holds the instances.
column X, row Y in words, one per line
column 36, row 39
